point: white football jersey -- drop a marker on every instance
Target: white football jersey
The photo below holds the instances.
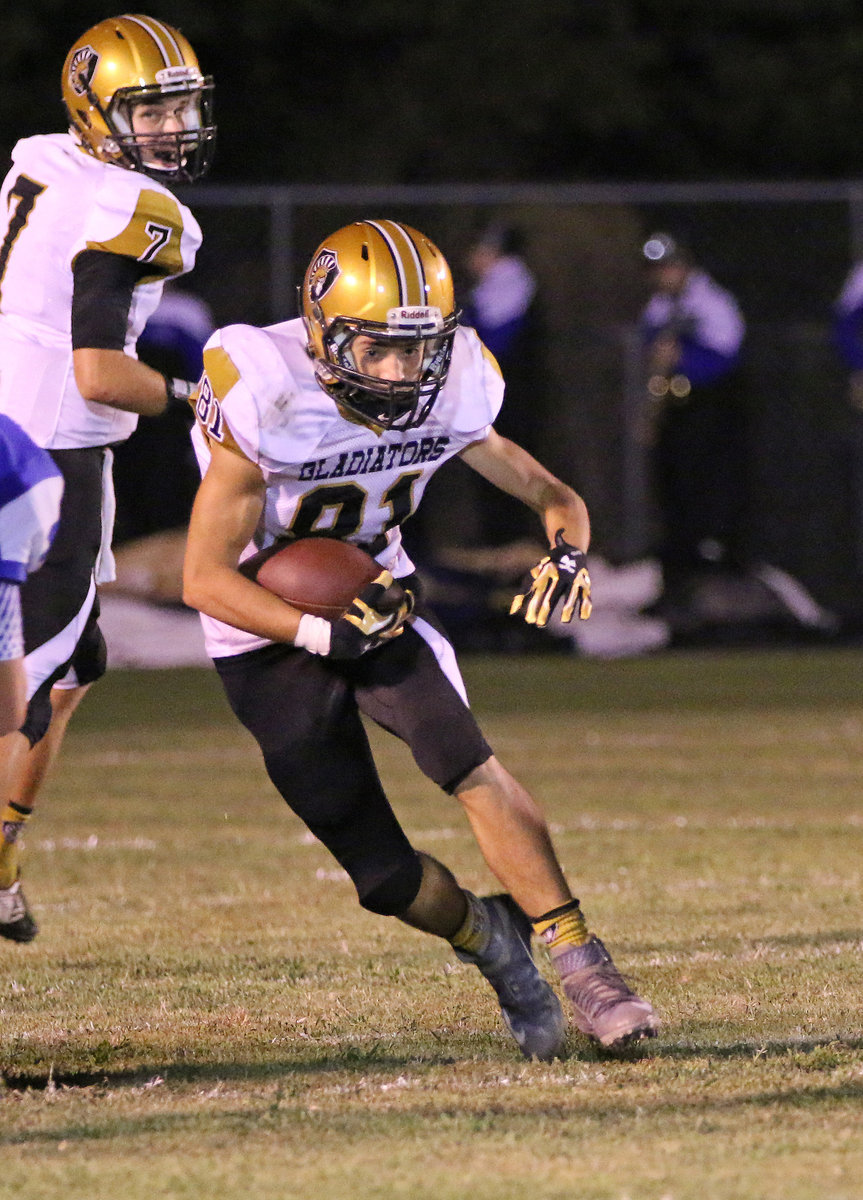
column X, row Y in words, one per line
column 326, row 474
column 57, row 201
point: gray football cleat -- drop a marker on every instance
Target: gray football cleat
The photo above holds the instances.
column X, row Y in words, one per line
column 530, row 1008
column 606, row 1009
column 16, row 923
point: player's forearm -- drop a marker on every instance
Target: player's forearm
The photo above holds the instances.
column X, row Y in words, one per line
column 223, row 593
column 113, row 378
column 509, row 467
column 559, row 507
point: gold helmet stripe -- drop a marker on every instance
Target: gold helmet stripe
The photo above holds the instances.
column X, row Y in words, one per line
column 164, row 38
column 410, row 272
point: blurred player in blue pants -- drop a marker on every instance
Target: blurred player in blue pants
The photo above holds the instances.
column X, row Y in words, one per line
column 31, row 488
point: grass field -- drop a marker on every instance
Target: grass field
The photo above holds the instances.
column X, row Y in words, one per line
column 207, row 1013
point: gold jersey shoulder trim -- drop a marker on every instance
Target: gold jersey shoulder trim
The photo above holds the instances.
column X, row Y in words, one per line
column 491, row 358
column 220, row 375
column 221, row 370
column 152, row 235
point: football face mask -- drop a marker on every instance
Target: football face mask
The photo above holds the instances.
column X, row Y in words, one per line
column 167, row 134
column 386, row 403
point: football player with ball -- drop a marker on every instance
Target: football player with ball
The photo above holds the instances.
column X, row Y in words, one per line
column 330, row 426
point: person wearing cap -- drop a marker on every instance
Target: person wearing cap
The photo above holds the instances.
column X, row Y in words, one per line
column 502, row 306
column 692, row 335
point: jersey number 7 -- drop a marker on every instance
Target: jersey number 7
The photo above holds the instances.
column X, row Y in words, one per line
column 27, row 191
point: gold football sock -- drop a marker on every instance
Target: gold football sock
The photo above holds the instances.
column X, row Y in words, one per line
column 472, row 934
column 562, row 927
column 13, row 819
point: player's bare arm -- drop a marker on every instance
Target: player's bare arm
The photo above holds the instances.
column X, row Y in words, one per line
column 561, row 577
column 511, row 468
column 114, row 378
column 224, row 518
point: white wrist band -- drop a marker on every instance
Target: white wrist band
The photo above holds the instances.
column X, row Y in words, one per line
column 314, row 634
column 179, row 391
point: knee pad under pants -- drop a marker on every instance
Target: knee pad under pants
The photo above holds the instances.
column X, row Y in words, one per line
column 317, row 755
column 89, row 661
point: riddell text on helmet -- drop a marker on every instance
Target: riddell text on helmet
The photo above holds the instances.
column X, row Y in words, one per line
column 416, row 315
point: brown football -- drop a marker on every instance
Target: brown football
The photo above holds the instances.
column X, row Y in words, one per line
column 318, row 575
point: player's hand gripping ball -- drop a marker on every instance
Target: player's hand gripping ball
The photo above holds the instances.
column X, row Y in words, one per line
column 561, row 575
column 376, row 615
column 349, row 604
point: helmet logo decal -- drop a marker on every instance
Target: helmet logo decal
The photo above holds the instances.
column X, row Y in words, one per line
column 82, row 69
column 323, row 273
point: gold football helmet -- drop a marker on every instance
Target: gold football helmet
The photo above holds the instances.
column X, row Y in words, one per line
column 387, row 281
column 127, row 61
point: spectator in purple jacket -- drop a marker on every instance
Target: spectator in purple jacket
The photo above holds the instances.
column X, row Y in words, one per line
column 848, row 340
column 503, row 307
column 693, row 331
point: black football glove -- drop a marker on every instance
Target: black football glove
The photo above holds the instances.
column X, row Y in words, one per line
column 561, row 575
column 372, row 618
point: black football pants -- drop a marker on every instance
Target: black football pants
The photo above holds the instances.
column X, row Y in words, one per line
column 304, row 711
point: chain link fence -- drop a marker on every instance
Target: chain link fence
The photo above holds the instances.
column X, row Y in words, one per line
column 782, row 249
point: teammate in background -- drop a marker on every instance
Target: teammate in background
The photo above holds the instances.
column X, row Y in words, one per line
column 91, row 233
column 332, row 424
column 693, row 333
